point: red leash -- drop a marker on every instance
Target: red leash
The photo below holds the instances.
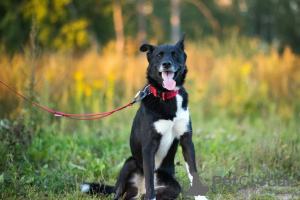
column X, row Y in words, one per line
column 141, row 94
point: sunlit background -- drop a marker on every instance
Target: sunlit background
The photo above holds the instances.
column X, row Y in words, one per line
column 80, row 57
column 83, row 55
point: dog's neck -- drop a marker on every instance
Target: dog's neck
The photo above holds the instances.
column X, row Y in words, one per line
column 163, row 95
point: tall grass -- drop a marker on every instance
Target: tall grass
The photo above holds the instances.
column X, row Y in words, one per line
column 244, row 104
column 236, row 75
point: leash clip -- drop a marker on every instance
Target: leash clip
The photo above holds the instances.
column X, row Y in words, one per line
column 141, row 95
column 58, row 114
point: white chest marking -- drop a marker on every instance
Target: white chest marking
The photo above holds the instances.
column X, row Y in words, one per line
column 171, row 129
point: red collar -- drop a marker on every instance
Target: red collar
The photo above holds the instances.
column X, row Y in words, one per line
column 163, row 95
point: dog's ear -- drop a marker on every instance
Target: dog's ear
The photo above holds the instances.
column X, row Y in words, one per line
column 180, row 43
column 147, row 47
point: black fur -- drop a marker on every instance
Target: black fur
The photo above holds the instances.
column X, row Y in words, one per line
column 145, row 140
column 96, row 188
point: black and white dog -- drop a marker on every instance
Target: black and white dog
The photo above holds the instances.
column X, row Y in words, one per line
column 161, row 123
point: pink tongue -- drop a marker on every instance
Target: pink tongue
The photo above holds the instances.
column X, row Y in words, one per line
column 168, row 83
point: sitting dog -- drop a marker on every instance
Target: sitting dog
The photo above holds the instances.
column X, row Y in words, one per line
column 161, row 123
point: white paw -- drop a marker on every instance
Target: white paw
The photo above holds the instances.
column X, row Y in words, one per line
column 200, row 197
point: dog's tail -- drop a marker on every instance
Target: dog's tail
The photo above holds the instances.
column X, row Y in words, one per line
column 96, row 188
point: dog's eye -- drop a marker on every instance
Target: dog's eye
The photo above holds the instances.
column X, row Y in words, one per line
column 174, row 54
column 160, row 55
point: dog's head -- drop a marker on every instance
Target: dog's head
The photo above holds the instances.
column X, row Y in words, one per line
column 167, row 69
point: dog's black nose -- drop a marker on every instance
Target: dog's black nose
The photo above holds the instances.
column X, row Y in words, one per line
column 166, row 64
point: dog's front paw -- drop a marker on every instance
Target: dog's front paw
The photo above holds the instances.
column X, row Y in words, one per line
column 200, row 197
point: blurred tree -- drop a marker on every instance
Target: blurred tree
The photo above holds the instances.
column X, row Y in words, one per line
column 141, row 21
column 76, row 24
column 275, row 22
column 14, row 29
column 58, row 28
column 118, row 25
column 237, row 14
column 100, row 18
column 208, row 15
column 159, row 21
column 175, row 20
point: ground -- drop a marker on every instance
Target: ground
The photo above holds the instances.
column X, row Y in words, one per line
column 51, row 161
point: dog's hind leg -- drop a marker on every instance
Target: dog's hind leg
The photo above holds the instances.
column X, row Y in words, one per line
column 130, row 166
column 166, row 187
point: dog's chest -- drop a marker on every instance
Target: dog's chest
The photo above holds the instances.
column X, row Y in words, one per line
column 171, row 129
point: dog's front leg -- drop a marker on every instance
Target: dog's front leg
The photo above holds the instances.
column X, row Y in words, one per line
column 197, row 189
column 149, row 148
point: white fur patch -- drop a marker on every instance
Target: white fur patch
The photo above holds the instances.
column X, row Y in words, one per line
column 85, row 188
column 165, row 128
column 189, row 174
column 139, row 183
column 200, row 197
column 171, row 129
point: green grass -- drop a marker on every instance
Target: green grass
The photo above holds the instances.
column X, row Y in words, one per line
column 49, row 158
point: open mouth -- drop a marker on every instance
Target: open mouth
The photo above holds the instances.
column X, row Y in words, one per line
column 175, row 74
column 168, row 79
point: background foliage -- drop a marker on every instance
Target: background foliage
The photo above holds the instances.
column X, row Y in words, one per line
column 76, row 25
column 82, row 57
